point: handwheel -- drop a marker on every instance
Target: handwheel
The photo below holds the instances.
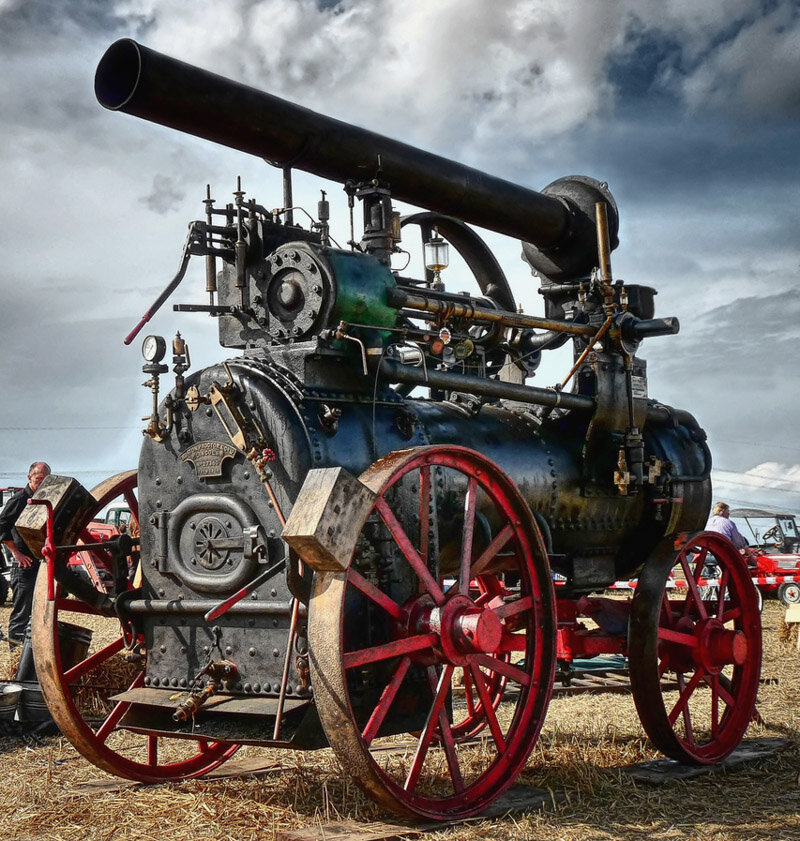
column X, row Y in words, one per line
column 449, row 574
column 84, row 656
column 709, row 648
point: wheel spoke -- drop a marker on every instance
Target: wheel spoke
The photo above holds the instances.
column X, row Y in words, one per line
column 467, row 536
column 714, row 684
column 666, row 610
column 720, row 691
column 120, row 708
column 446, row 735
column 512, row 642
column 372, row 592
column 152, row 749
column 489, row 553
column 74, row 606
column 696, row 598
column 387, row 698
column 488, row 708
column 514, row 608
column 424, row 511
column 682, row 704
column 503, row 668
column 723, row 589
column 679, row 637
column 132, row 503
column 426, row 737
column 387, row 650
column 401, row 538
column 732, row 615
column 686, row 713
column 468, row 687
column 90, row 663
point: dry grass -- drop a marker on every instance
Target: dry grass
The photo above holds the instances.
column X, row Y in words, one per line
column 49, row 791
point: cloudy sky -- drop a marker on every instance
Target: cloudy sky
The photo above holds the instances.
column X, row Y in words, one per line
column 691, row 112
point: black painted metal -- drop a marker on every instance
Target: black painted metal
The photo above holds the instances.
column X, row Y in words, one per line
column 140, row 81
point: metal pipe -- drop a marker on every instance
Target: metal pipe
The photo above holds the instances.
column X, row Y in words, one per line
column 423, row 302
column 140, row 81
column 179, row 607
column 447, row 380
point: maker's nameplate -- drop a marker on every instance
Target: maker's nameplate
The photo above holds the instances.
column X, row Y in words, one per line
column 207, row 457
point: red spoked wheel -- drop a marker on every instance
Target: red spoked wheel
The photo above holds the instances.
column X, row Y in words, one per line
column 388, row 636
column 84, row 656
column 695, row 662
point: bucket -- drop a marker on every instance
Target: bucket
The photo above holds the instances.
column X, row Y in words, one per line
column 73, row 641
column 31, row 706
column 74, row 644
column 9, row 698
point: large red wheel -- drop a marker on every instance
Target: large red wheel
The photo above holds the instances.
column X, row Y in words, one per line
column 388, row 636
column 694, row 652
column 78, row 681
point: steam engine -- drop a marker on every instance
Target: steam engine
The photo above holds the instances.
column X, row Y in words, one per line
column 249, row 505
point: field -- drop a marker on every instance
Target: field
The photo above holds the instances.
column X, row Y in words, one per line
column 49, row 791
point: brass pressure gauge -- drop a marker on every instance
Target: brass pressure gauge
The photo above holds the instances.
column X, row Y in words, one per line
column 154, row 348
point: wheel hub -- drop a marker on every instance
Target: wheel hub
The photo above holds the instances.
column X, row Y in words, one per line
column 462, row 626
column 719, row 646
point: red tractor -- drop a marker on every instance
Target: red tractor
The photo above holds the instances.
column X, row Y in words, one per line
column 774, row 553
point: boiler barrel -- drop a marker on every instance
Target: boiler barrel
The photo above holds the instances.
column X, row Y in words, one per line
column 150, row 85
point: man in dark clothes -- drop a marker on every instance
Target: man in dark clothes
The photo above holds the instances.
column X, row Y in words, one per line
column 25, row 568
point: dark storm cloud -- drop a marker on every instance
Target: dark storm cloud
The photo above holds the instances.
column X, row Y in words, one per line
column 23, row 19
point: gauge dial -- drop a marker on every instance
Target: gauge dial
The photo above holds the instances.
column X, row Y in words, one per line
column 154, row 348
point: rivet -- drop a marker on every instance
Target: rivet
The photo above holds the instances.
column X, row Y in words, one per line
column 251, row 652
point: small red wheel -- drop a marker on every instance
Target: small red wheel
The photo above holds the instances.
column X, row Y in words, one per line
column 78, row 682
column 709, row 648
column 449, row 573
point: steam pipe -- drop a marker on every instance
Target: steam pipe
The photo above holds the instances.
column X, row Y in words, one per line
column 142, row 82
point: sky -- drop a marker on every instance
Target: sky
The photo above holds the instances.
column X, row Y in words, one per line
column 690, row 111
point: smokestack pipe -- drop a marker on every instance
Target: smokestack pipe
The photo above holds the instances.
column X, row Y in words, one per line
column 147, row 84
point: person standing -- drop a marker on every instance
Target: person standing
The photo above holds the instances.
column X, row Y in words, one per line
column 719, row 522
column 24, row 567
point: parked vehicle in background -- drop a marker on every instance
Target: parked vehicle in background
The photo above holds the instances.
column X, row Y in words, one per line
column 774, row 551
column 116, row 521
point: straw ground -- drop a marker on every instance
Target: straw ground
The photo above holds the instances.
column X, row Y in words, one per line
column 49, row 791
